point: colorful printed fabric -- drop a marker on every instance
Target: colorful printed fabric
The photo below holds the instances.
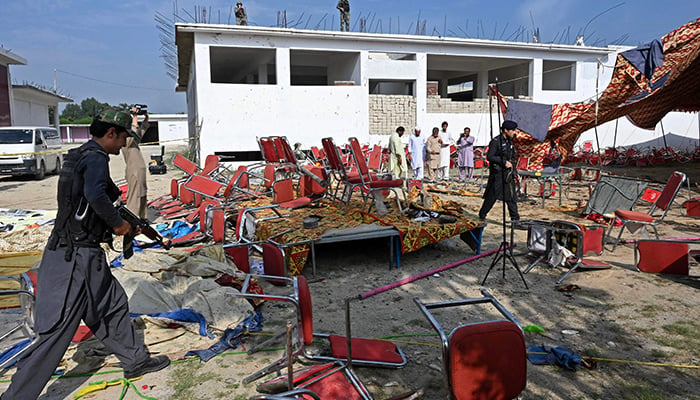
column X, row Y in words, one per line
column 413, row 234
column 674, row 85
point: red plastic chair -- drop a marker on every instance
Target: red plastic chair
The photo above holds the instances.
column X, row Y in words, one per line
column 481, row 360
column 663, row 256
column 650, row 218
column 371, row 184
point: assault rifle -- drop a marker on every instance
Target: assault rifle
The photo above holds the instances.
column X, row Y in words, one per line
column 137, row 223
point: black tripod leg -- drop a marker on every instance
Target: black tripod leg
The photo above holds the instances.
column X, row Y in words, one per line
column 515, row 265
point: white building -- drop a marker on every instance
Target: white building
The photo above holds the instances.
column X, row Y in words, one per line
column 243, row 82
column 25, row 104
column 165, row 129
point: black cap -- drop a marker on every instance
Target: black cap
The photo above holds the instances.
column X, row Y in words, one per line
column 509, row 125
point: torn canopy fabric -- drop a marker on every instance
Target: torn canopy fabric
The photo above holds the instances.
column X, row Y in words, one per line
column 640, row 89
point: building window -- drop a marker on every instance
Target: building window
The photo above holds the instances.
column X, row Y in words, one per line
column 558, row 75
column 392, row 87
column 242, row 65
column 324, row 68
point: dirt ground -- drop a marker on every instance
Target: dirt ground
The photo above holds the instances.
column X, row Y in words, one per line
column 642, row 329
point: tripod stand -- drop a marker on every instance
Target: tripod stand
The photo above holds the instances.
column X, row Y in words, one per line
column 505, row 249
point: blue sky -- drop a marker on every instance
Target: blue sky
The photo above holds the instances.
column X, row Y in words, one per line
column 110, row 50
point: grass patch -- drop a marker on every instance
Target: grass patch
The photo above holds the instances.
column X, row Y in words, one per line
column 186, row 377
column 684, row 335
column 650, row 310
column 639, row 392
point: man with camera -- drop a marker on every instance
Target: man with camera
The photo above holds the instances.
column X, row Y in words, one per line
column 135, row 172
column 74, row 280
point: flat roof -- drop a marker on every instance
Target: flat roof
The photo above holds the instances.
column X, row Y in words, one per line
column 46, row 94
column 7, row 57
column 184, row 39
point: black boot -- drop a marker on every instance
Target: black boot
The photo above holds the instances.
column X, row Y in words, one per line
column 152, row 364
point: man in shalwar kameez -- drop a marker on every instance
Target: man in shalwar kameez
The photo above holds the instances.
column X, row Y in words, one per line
column 416, row 146
column 397, row 155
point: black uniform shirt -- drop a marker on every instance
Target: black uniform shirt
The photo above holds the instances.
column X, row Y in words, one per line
column 92, row 182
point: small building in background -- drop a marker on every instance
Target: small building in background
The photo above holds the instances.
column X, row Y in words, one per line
column 164, row 129
column 32, row 103
column 25, row 104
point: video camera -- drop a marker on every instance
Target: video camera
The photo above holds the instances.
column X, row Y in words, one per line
column 141, row 109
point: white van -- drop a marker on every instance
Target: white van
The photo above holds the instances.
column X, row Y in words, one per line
column 30, row 151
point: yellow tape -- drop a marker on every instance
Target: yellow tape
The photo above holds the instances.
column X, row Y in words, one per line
column 66, row 150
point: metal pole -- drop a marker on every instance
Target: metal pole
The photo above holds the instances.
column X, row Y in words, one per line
column 663, row 134
column 490, row 111
column 595, row 128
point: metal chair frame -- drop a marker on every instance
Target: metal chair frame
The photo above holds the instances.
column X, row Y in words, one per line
column 446, row 339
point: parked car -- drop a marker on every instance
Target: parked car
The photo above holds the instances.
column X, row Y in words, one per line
column 30, row 151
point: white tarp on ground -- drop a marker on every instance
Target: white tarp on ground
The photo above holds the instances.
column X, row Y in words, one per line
column 156, row 281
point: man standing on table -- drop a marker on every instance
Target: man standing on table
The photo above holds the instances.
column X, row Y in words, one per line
column 397, row 154
column 416, row 146
column 75, row 282
column 501, row 183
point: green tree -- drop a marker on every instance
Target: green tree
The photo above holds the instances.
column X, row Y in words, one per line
column 91, row 107
column 71, row 113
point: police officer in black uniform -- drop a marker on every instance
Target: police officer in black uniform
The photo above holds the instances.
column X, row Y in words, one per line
column 501, row 183
column 74, row 278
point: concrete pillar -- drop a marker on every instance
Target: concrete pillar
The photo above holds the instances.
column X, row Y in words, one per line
column 442, row 87
column 262, row 74
column 421, row 87
column 481, row 88
column 283, row 67
column 535, row 78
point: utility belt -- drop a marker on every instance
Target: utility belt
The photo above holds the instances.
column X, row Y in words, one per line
column 58, row 240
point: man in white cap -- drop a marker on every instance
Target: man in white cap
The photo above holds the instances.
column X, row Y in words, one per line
column 416, row 146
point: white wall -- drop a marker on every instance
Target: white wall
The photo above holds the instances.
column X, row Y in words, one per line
column 28, row 113
column 233, row 115
column 171, row 129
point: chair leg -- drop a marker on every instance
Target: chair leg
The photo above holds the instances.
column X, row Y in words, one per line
column 619, row 235
column 533, row 264
column 561, row 278
column 608, row 237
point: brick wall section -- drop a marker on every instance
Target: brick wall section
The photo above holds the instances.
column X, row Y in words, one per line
column 386, row 112
column 435, row 104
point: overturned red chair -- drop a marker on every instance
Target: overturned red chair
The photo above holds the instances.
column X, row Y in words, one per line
column 365, row 352
column 482, row 360
column 668, row 256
